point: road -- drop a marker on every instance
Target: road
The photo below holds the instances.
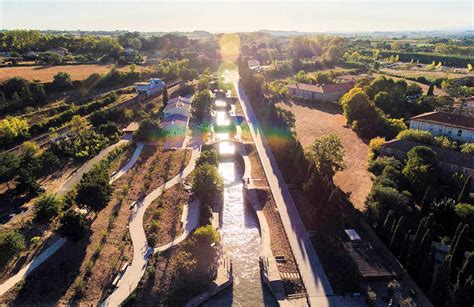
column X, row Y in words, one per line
column 315, row 280
column 141, row 251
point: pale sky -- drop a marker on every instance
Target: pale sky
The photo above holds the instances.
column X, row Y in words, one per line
column 234, row 16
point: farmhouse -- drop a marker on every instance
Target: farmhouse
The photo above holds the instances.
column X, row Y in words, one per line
column 176, row 116
column 153, row 86
column 175, row 125
column 253, row 63
column 177, row 107
column 60, row 51
column 458, row 127
column 327, row 92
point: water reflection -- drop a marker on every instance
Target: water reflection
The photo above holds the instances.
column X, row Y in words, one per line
column 240, row 233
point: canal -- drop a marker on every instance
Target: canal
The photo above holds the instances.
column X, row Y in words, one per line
column 239, row 229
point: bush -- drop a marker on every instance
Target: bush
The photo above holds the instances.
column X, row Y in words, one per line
column 207, row 183
column 468, row 148
column 11, row 243
column 47, row 206
column 207, row 156
column 420, row 136
column 73, row 226
column 377, row 166
column 375, row 146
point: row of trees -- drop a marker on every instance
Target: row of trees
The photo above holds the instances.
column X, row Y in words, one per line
column 415, row 195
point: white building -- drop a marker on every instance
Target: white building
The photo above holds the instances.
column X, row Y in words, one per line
column 153, row 86
column 457, row 127
column 60, row 51
column 178, row 107
column 253, row 64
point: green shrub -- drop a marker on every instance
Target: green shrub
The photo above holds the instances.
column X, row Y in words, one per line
column 47, row 206
column 11, row 243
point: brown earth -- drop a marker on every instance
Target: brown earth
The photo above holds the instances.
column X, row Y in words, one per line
column 314, row 120
column 47, row 73
column 166, row 211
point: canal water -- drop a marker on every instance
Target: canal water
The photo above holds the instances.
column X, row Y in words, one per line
column 239, row 233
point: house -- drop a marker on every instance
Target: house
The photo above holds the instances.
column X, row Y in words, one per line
column 31, row 54
column 60, row 51
column 177, row 107
column 449, row 161
column 457, row 127
column 326, row 92
column 253, row 64
column 153, row 86
column 128, row 51
column 175, row 125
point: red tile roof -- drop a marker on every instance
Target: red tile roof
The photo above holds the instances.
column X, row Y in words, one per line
column 447, row 119
column 323, row 88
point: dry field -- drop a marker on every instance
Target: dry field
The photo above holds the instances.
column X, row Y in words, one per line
column 47, row 73
column 313, row 121
column 423, row 73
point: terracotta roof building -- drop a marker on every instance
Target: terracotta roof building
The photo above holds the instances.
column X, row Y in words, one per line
column 458, row 127
column 326, row 92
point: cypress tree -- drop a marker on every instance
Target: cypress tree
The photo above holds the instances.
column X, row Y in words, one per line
column 423, row 260
column 466, row 190
column 457, row 254
column 387, row 225
column 440, row 285
column 165, row 95
column 397, row 237
column 467, row 269
column 462, row 295
column 430, row 90
column 405, row 248
column 425, row 203
column 455, row 237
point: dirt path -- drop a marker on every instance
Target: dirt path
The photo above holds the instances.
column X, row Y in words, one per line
column 313, row 122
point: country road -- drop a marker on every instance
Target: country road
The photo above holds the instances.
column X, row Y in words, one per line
column 315, row 280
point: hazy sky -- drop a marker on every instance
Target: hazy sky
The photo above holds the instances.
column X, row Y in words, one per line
column 232, row 16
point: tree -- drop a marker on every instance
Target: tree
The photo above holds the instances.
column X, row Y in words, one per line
column 398, row 234
column 207, row 156
column 421, row 168
column 9, row 164
column 328, row 154
column 62, row 81
column 207, row 183
column 201, row 104
column 430, row 90
column 48, row 161
column 440, row 286
column 94, row 190
column 47, row 206
column 388, row 225
column 457, row 253
column 468, row 148
column 11, row 243
column 13, row 128
column 149, row 130
column 464, row 195
column 73, row 226
column 165, row 95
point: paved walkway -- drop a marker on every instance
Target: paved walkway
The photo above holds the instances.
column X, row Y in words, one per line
column 141, row 250
column 38, row 260
column 316, row 282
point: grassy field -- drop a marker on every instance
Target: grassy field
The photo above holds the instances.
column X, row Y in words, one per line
column 424, row 87
column 315, row 120
column 46, row 73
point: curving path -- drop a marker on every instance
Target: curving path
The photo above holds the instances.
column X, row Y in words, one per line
column 38, row 260
column 141, row 250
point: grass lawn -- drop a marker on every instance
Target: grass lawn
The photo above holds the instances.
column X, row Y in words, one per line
column 314, row 120
column 428, row 74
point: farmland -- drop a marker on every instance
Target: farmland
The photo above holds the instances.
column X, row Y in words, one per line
column 47, row 73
